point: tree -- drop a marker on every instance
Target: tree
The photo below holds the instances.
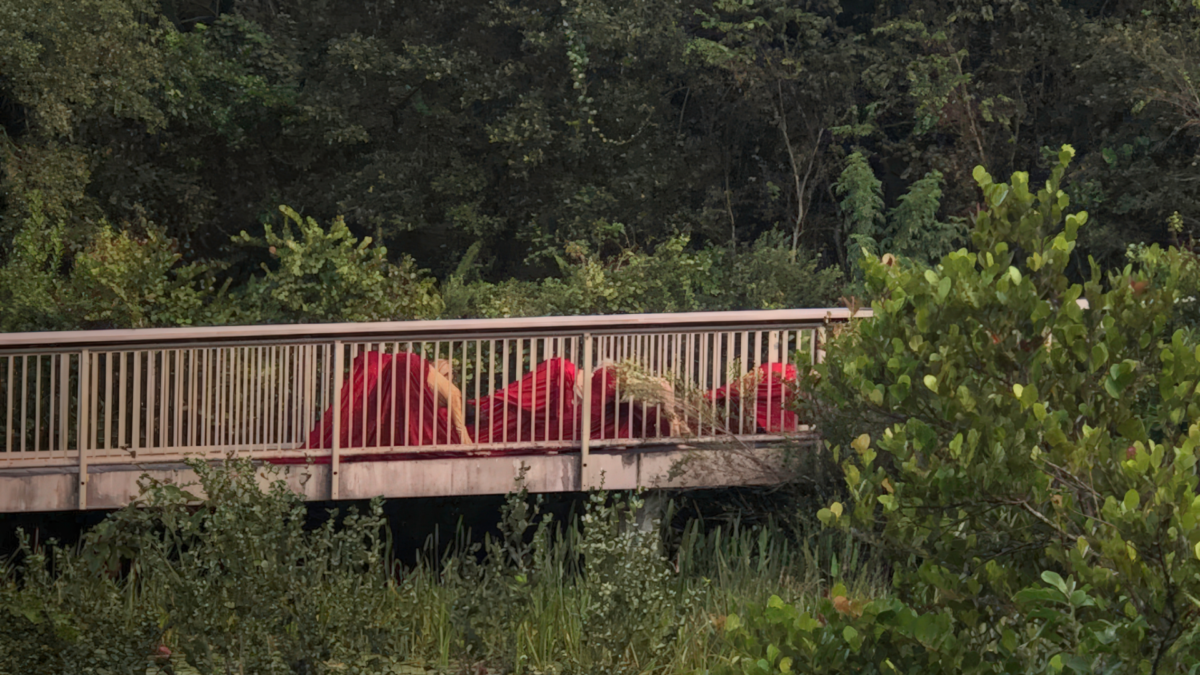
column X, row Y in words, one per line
column 911, row 230
column 329, row 275
column 1032, row 469
column 791, row 72
column 66, row 67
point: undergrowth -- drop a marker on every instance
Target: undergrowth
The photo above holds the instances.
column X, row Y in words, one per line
column 234, row 583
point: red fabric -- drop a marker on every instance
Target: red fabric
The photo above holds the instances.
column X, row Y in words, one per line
column 393, row 391
column 394, row 387
column 540, row 406
column 776, row 382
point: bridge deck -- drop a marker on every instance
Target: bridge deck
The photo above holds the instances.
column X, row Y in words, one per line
column 403, row 409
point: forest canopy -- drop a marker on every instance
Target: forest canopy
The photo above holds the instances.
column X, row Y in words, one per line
column 498, row 158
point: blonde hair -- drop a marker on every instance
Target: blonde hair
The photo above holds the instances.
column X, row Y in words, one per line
column 445, row 367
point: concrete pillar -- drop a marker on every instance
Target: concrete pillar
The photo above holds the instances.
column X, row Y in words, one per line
column 654, row 509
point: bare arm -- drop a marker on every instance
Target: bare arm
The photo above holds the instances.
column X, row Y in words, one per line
column 449, row 395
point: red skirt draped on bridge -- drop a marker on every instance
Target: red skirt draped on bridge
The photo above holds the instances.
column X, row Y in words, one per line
column 540, row 406
column 772, row 388
column 387, row 402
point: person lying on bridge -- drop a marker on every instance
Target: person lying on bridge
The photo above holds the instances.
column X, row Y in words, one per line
column 440, row 379
column 396, row 399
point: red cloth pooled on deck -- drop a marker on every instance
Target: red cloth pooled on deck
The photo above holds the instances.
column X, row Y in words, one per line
column 540, row 406
column 776, row 382
column 386, row 401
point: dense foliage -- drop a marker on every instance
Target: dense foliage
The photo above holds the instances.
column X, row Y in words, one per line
column 1027, row 466
column 492, row 140
column 1030, row 465
column 238, row 583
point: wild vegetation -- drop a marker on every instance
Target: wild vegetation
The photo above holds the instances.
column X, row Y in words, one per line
column 236, row 584
column 489, row 158
column 1020, row 469
column 1027, row 463
column 1020, row 466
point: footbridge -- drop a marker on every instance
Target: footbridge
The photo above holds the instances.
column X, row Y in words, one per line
column 407, row 409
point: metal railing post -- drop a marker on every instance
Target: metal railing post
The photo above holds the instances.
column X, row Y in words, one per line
column 64, row 402
column 335, row 459
column 585, row 427
column 85, row 391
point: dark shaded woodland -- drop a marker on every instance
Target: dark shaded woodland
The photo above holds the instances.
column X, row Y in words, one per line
column 494, row 157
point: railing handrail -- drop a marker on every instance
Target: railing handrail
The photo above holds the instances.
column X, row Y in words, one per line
column 441, row 329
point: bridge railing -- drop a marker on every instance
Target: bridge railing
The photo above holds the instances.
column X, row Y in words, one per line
column 331, row 392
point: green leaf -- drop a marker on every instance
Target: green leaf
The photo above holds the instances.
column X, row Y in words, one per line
column 825, row 516
column 861, row 443
column 1132, row 499
column 943, row 288
column 807, row 623
column 931, row 382
column 1055, row 580
column 1008, row 639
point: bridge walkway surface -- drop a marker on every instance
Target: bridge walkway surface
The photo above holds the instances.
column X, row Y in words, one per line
column 407, row 409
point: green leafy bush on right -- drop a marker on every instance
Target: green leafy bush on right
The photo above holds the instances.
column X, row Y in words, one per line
column 1031, row 466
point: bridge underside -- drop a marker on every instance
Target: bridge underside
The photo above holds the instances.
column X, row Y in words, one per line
column 670, row 467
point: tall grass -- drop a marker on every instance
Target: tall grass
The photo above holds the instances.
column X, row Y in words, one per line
column 539, row 624
column 236, row 586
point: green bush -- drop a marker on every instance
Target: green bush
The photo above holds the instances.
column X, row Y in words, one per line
column 669, row 278
column 124, row 280
column 1035, row 479
column 233, row 583
column 1160, row 265
column 329, row 275
column 57, row 616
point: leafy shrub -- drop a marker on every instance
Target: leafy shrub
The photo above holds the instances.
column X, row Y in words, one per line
column 57, row 616
column 670, row 278
column 120, row 280
column 606, row 579
column 769, row 275
column 911, row 230
column 30, row 297
column 233, row 583
column 123, row 281
column 330, row 276
column 1160, row 265
column 631, row 606
column 1035, row 481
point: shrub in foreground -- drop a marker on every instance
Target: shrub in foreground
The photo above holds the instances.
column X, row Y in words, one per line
column 1035, row 478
